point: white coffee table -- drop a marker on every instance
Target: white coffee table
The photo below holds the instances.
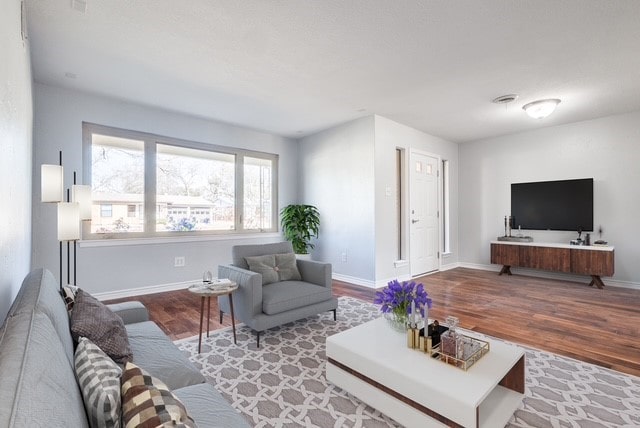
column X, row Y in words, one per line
column 372, row 362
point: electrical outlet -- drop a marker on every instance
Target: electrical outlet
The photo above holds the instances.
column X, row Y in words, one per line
column 179, row 261
column 344, row 257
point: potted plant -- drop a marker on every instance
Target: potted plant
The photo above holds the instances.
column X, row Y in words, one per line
column 300, row 223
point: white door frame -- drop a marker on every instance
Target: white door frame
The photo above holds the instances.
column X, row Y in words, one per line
column 439, row 196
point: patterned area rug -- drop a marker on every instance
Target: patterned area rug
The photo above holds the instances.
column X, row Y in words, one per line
column 282, row 384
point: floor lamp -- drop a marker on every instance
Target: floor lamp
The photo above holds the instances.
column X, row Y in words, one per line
column 68, row 225
column 82, row 195
column 51, row 189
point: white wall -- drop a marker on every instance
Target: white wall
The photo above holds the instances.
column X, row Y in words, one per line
column 606, row 149
column 16, row 120
column 336, row 169
column 390, row 135
column 345, row 171
column 59, row 114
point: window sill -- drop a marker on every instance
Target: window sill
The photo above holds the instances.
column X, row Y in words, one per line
column 116, row 242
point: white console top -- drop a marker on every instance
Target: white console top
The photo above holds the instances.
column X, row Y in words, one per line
column 556, row 245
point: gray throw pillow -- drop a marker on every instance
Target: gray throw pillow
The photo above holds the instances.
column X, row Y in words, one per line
column 99, row 380
column 275, row 267
column 287, row 268
column 90, row 318
column 264, row 265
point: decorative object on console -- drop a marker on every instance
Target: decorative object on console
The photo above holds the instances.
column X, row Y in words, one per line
column 397, row 299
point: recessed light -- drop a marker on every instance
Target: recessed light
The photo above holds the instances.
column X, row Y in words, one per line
column 69, row 75
column 505, row 99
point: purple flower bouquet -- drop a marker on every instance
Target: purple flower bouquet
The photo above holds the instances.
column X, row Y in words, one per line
column 395, row 300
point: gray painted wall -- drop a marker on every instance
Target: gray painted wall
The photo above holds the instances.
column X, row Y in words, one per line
column 16, row 120
column 345, row 171
column 336, row 175
column 59, row 114
column 605, row 149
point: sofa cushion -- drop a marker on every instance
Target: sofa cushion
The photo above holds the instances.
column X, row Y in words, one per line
column 154, row 352
column 265, row 266
column 93, row 320
column 209, row 408
column 287, row 268
column 99, row 380
column 286, row 295
column 148, row 402
column 40, row 292
column 38, row 384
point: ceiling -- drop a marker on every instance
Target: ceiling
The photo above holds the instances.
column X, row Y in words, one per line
column 294, row 67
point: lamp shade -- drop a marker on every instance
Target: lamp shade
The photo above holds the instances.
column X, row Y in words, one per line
column 542, row 108
column 82, row 194
column 51, row 183
column 68, row 221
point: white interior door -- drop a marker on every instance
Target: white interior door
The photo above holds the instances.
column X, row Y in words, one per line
column 423, row 213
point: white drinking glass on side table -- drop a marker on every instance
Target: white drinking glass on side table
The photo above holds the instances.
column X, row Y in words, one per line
column 217, row 287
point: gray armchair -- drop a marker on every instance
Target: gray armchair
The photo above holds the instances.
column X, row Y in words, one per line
column 262, row 307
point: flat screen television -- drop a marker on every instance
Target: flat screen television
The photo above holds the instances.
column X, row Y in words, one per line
column 553, row 205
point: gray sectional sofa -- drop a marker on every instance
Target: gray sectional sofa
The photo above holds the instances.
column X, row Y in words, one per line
column 38, row 386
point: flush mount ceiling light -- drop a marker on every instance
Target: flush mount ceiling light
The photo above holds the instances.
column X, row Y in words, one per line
column 541, row 108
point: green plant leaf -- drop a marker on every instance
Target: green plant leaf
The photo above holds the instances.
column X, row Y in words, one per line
column 300, row 223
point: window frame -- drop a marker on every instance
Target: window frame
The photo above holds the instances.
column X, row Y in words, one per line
column 149, row 210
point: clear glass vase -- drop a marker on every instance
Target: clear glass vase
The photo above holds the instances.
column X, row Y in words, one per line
column 398, row 322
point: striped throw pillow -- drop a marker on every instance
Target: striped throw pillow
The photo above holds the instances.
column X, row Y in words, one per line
column 148, row 402
column 99, row 380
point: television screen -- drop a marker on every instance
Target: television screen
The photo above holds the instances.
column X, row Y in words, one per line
column 553, row 205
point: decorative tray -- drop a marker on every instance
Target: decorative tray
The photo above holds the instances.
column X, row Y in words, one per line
column 472, row 350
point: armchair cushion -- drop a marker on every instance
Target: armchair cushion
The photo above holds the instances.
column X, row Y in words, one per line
column 265, row 266
column 287, row 268
column 286, row 295
column 275, row 267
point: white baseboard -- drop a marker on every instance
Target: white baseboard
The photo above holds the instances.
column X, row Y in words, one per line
column 552, row 275
column 449, row 266
column 131, row 292
column 353, row 280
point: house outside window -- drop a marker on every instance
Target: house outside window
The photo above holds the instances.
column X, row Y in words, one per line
column 159, row 186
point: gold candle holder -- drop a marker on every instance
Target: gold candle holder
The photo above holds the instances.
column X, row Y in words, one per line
column 413, row 338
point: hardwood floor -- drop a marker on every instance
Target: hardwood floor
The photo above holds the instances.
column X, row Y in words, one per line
column 571, row 319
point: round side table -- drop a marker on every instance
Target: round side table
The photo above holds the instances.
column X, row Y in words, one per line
column 207, row 291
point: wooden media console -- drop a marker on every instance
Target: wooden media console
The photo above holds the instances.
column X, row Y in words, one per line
column 595, row 261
